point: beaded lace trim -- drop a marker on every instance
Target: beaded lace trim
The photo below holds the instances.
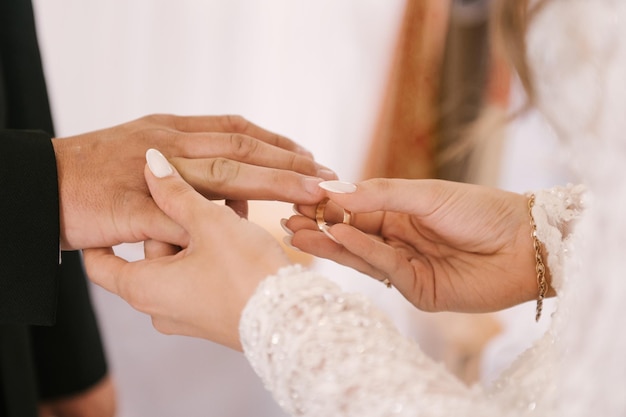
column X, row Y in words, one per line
column 322, row 352
column 555, row 212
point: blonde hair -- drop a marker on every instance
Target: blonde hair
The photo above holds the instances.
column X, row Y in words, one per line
column 511, row 20
column 409, row 139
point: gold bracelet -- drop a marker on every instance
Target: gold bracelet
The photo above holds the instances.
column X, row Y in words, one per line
column 540, row 268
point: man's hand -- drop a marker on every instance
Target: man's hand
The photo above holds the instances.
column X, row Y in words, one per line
column 103, row 196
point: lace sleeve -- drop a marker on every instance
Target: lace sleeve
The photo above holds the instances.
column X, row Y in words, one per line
column 322, row 352
column 555, row 213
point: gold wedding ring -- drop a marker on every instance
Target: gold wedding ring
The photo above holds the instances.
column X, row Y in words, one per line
column 319, row 216
column 323, row 225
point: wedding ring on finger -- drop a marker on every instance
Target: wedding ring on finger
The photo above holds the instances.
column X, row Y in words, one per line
column 321, row 222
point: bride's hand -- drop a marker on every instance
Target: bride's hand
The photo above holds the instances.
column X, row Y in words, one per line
column 201, row 290
column 443, row 245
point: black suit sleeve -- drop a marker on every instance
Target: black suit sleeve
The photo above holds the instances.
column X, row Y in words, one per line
column 29, row 227
column 34, row 288
column 29, row 206
column 66, row 357
column 69, row 356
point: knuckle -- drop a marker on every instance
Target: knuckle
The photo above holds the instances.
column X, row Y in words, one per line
column 242, row 146
column 158, row 136
column 148, row 118
column 156, row 118
column 302, row 164
column 220, row 171
column 236, row 123
column 381, row 184
column 162, row 326
column 180, row 124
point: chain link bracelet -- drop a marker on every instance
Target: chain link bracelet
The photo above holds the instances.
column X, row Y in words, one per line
column 540, row 267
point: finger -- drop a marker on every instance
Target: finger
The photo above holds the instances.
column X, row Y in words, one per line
column 220, row 178
column 239, row 206
column 103, row 267
column 318, row 244
column 307, row 237
column 299, row 222
column 243, row 148
column 368, row 222
column 153, row 224
column 385, row 261
column 234, row 124
column 418, row 197
column 153, row 249
column 135, row 282
column 174, row 196
column 296, row 223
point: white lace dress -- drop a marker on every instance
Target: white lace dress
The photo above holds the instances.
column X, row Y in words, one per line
column 322, row 352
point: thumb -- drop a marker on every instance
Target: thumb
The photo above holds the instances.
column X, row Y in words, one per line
column 104, row 268
column 173, row 195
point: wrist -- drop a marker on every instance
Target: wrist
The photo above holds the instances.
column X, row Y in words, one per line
column 66, row 155
column 59, row 155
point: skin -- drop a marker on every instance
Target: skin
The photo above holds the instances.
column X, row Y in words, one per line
column 455, row 247
column 104, row 200
column 445, row 246
column 201, row 290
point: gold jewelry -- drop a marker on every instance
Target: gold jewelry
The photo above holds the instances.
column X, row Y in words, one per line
column 323, row 226
column 319, row 216
column 540, row 267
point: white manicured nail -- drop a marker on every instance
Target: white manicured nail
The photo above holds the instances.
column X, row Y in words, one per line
column 283, row 224
column 341, row 187
column 287, row 242
column 158, row 164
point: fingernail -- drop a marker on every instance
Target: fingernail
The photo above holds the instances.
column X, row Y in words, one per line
column 158, row 164
column 326, row 173
column 287, row 242
column 283, row 224
column 341, row 187
column 294, row 208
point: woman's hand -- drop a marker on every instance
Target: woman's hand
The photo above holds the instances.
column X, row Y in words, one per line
column 201, row 290
column 443, row 245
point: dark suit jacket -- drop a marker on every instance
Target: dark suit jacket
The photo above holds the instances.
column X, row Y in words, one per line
column 49, row 340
